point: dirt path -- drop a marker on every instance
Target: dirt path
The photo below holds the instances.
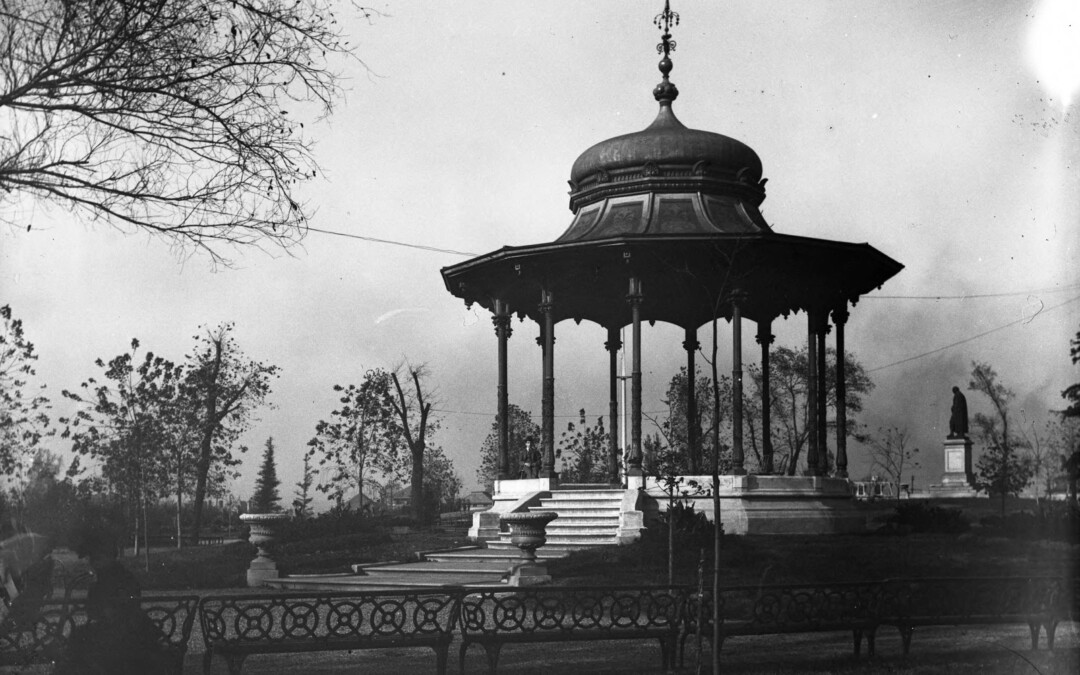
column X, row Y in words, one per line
column 955, row 651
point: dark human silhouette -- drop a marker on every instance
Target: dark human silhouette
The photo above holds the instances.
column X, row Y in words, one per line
column 531, row 464
column 958, row 420
column 118, row 637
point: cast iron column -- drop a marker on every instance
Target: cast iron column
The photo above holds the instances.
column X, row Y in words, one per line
column 811, row 395
column 822, row 398
column 503, row 331
column 634, row 298
column 737, row 460
column 840, row 317
column 690, row 344
column 765, row 338
column 547, row 429
column 613, row 345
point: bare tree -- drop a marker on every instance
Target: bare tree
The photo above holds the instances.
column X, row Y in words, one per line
column 891, row 454
column 412, row 406
column 174, row 117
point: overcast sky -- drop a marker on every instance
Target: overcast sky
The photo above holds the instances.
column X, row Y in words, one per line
column 922, row 128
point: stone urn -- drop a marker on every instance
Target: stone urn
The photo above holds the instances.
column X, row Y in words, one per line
column 264, row 533
column 528, row 530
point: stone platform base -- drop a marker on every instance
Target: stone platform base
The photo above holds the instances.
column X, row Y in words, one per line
column 777, row 504
column 953, row 490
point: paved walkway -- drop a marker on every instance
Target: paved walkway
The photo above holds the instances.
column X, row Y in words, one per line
column 976, row 651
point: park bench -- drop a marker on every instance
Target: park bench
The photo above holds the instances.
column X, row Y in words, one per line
column 779, row 609
column 494, row 617
column 1038, row 602
column 237, row 626
column 41, row 632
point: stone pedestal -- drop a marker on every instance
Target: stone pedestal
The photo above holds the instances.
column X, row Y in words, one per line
column 958, row 479
column 264, row 534
column 528, row 531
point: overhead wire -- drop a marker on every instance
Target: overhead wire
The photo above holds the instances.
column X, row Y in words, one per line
column 973, row 337
column 970, row 296
column 392, row 242
column 966, row 296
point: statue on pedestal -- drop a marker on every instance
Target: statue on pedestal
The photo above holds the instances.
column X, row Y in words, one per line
column 958, row 419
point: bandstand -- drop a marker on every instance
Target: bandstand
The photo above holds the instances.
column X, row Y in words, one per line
column 666, row 227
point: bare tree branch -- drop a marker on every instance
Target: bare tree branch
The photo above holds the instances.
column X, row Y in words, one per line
column 177, row 118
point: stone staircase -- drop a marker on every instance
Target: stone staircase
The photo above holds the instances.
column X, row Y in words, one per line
column 589, row 516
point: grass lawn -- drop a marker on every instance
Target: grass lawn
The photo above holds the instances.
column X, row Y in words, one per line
column 980, row 551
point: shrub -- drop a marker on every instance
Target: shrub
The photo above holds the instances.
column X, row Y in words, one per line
column 1052, row 522
column 922, row 517
column 334, row 523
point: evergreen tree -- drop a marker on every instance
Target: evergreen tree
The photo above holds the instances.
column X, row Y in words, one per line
column 266, row 496
column 302, row 503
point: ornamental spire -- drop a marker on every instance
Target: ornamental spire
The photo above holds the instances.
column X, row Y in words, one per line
column 666, row 92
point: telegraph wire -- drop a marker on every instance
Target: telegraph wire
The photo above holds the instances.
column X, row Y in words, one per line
column 1052, row 289
column 436, row 249
column 973, row 337
column 391, row 242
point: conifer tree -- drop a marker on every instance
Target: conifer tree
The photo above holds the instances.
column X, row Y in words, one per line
column 302, row 501
column 266, row 496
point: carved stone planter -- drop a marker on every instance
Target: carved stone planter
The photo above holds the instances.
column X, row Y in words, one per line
column 528, row 531
column 264, row 533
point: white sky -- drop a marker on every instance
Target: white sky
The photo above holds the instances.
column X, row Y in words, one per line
column 919, row 127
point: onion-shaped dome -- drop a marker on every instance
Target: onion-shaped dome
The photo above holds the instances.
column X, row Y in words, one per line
column 666, row 179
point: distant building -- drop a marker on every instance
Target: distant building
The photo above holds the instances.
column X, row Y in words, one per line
column 478, row 501
column 370, row 502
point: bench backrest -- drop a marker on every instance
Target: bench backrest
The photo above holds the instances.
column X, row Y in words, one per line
column 329, row 616
column 561, row 609
column 43, row 633
column 970, row 597
column 790, row 607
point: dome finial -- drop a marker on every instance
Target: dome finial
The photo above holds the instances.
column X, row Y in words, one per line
column 666, row 92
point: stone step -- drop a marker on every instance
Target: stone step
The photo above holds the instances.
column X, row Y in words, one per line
column 556, row 535
column 584, row 539
column 591, row 487
column 583, row 521
column 610, row 496
column 452, row 567
column 381, row 583
column 559, row 507
column 571, row 537
column 509, row 556
column 550, row 549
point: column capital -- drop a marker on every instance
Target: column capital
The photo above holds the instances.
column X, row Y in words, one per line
column 613, row 344
column 547, row 301
column 738, row 297
column 502, row 323
column 840, row 315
